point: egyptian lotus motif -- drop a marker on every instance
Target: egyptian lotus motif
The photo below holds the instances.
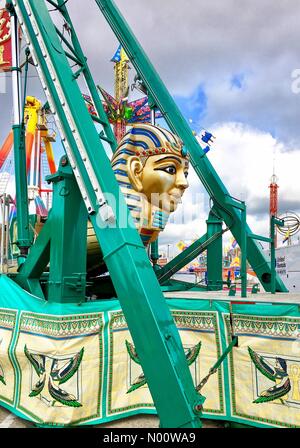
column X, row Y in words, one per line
column 2, row 379
column 277, row 373
column 151, row 166
column 191, row 355
column 61, row 371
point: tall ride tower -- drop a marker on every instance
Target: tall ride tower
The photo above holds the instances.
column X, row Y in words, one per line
column 274, row 200
column 121, row 68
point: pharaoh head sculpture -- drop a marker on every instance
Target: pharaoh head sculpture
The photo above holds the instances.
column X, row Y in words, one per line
column 151, row 166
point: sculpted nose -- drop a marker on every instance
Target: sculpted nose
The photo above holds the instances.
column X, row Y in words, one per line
column 181, row 181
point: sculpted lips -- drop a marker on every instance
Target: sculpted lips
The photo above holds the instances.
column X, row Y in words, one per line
column 170, row 200
column 176, row 196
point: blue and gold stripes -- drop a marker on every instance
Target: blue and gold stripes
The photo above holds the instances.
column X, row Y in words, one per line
column 160, row 220
column 143, row 141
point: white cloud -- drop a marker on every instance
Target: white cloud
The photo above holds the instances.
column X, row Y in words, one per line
column 243, row 157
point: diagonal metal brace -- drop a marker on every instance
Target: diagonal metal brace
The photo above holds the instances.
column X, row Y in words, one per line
column 215, row 367
column 186, row 256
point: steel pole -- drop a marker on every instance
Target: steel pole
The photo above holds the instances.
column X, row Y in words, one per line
column 23, row 240
column 244, row 250
column 273, row 260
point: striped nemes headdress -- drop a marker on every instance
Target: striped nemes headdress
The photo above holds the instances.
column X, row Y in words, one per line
column 144, row 141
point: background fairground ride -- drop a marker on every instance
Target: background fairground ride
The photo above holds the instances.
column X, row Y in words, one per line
column 287, row 254
column 39, row 164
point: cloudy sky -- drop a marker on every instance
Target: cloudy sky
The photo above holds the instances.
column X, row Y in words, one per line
column 230, row 67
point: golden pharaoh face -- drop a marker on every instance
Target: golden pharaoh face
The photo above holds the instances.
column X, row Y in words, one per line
column 151, row 167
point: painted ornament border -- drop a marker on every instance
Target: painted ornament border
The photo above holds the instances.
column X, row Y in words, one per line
column 8, row 319
column 184, row 319
column 265, row 325
column 50, row 324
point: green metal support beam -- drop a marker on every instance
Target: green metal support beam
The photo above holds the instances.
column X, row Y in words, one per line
column 244, row 248
column 24, row 241
column 139, row 293
column 214, row 253
column 62, row 243
column 260, row 238
column 273, row 222
column 68, row 248
column 204, row 169
column 39, row 256
column 23, row 232
column 185, row 257
column 154, row 255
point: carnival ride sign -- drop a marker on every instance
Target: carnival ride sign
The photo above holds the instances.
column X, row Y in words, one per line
column 5, row 41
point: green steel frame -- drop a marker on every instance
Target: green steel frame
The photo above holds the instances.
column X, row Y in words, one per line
column 171, row 386
column 24, row 239
column 227, row 207
column 214, row 253
column 185, row 257
column 62, row 243
column 274, row 221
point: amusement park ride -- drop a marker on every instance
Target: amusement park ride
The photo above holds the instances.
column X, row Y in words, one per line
column 53, row 266
column 39, row 153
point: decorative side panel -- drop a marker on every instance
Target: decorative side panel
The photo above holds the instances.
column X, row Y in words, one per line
column 265, row 369
column 127, row 386
column 7, row 374
column 61, row 365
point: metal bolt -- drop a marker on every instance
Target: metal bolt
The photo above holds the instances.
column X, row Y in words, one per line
column 198, row 408
column 64, row 162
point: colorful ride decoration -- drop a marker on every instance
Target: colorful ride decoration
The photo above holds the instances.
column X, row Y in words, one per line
column 231, row 260
column 5, row 41
column 121, row 68
column 207, row 138
column 40, row 160
column 39, row 163
column 290, row 228
column 120, row 112
column 127, row 113
column 181, row 245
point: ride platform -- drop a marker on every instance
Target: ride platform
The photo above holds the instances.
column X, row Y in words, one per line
column 76, row 365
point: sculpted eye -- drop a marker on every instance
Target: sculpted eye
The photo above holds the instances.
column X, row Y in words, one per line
column 186, row 174
column 169, row 170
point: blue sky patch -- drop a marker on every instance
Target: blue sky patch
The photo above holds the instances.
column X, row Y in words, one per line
column 193, row 107
column 237, row 81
